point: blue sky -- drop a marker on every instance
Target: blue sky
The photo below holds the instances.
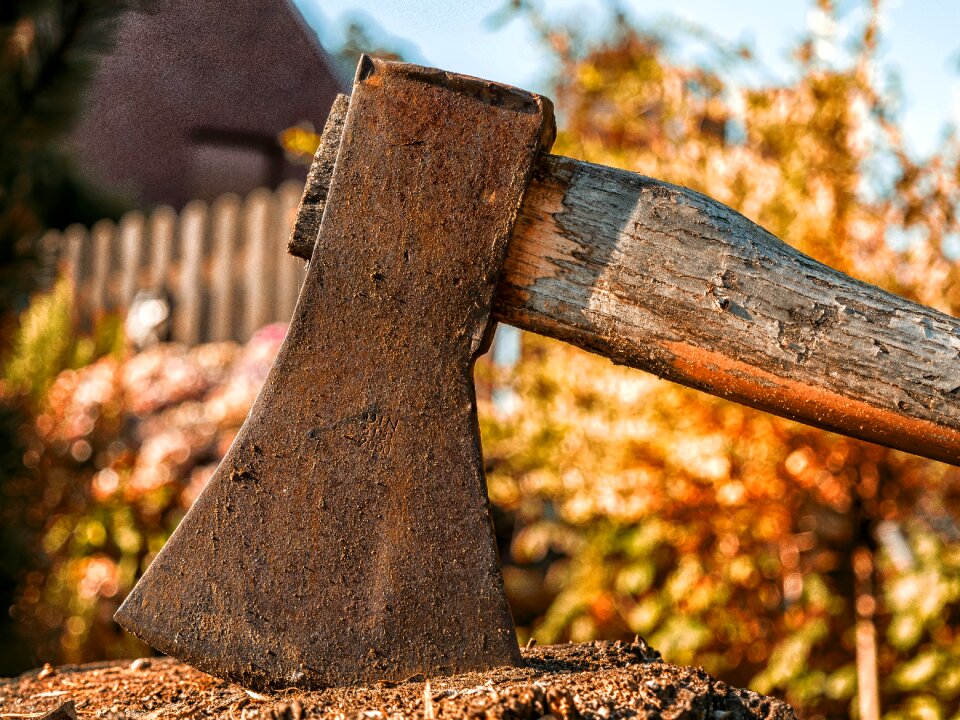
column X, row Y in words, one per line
column 921, row 40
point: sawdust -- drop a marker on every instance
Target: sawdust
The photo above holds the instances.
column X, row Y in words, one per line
column 592, row 681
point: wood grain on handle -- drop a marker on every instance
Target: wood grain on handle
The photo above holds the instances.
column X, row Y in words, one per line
column 662, row 278
column 665, row 279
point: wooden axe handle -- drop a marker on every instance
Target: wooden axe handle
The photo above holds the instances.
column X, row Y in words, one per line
column 661, row 278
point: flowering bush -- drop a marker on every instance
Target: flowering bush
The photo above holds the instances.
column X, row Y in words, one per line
column 121, row 449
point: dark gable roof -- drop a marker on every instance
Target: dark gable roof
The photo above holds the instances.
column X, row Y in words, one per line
column 190, row 102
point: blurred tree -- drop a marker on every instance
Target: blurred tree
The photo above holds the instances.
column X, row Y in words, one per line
column 363, row 35
column 44, row 345
column 359, row 34
column 48, row 50
column 775, row 555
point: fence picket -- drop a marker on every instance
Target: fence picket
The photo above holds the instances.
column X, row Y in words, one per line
column 101, row 237
column 287, row 285
column 225, row 222
column 162, row 222
column 225, row 270
column 131, row 241
column 256, row 215
column 73, row 241
column 192, row 231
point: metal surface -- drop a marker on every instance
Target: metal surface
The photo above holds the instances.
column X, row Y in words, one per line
column 346, row 536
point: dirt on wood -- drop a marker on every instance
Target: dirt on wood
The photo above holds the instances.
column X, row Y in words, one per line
column 590, row 681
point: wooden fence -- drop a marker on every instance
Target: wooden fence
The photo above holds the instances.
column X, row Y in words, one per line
column 224, row 266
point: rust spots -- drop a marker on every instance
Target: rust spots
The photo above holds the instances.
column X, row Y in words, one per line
column 733, row 379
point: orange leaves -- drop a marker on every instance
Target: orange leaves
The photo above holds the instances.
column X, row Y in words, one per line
column 118, row 451
column 300, row 142
column 652, row 480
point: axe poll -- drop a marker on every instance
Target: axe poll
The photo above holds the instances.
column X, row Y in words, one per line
column 345, row 537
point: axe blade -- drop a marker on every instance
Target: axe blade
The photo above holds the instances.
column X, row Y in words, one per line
column 346, row 535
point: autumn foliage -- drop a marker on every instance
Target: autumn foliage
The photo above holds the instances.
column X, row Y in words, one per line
column 729, row 538
column 754, row 546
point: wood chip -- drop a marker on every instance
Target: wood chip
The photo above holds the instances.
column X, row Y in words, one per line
column 428, row 712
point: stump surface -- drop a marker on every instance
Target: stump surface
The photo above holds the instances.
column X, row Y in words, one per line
column 601, row 680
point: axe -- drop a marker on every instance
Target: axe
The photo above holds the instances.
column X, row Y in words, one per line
column 346, row 538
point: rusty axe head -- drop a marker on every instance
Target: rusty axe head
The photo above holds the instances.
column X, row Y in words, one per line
column 346, row 535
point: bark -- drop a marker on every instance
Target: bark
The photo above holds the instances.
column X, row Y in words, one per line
column 662, row 278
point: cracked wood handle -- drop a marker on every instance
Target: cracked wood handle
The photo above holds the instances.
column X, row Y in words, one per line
column 662, row 278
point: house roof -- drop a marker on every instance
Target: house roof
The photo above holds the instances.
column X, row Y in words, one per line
column 190, row 101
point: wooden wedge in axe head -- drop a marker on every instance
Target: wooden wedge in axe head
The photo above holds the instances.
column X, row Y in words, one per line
column 346, row 536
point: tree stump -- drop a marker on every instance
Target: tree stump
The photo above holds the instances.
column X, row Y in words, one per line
column 599, row 680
